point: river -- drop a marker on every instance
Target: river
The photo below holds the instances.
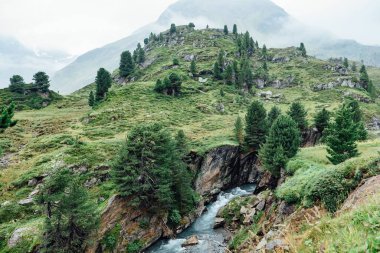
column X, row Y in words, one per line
column 210, row 240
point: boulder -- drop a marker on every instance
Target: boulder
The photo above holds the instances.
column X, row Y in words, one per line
column 190, row 241
column 219, row 222
column 266, row 94
column 202, row 80
column 261, row 205
column 260, row 83
column 189, row 57
column 32, row 182
column 26, row 202
column 17, row 236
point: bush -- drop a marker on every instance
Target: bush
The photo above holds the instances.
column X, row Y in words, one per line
column 295, row 165
column 135, row 246
column 109, row 240
column 175, row 217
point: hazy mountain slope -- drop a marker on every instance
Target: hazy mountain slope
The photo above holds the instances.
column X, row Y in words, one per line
column 15, row 58
column 268, row 23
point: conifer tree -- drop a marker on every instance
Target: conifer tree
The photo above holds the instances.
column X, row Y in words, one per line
column 353, row 67
column 217, row 73
column 234, row 29
column 372, row 90
column 303, row 49
column 225, row 30
column 146, row 41
column 7, row 113
column 281, row 144
column 341, row 138
column 228, row 75
column 273, row 115
column 41, row 81
column 255, row 125
column 91, row 99
column 264, row 51
column 191, row 25
column 173, row 29
column 126, row 66
column 364, row 78
column 193, row 67
column 17, row 84
column 103, row 83
column 70, row 215
column 321, row 120
column 221, row 60
column 239, row 131
column 345, row 62
column 298, row 113
column 354, row 107
column 159, row 87
column 175, row 61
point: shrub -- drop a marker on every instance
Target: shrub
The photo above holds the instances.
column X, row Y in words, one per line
column 175, row 217
column 294, row 165
column 135, row 246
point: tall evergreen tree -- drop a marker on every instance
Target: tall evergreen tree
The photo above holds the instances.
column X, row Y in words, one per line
column 341, row 137
column 298, row 113
column 273, row 115
column 239, row 131
column 354, row 107
column 264, row 51
column 364, row 78
column 228, row 75
column 7, row 113
column 255, row 125
column 103, row 83
column 126, row 66
column 191, row 25
column 234, row 29
column 372, row 90
column 17, row 84
column 217, row 73
column 41, row 81
column 345, row 62
column 225, row 30
column 321, row 120
column 91, row 99
column 221, row 60
column 193, row 67
column 281, row 144
column 173, row 29
column 70, row 215
column 302, row 48
column 353, row 67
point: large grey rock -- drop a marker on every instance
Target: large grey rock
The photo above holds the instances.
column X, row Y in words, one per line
column 219, row 222
column 17, row 235
column 190, row 241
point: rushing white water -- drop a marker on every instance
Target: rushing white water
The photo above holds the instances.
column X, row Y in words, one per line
column 210, row 240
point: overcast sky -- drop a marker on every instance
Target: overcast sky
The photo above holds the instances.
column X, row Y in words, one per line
column 77, row 26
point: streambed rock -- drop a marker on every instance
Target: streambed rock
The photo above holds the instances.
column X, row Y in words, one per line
column 190, row 241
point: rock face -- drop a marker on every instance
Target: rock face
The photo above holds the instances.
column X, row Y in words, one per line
column 192, row 240
column 222, row 168
column 310, row 137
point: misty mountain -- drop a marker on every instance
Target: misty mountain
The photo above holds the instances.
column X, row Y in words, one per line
column 15, row 58
column 266, row 21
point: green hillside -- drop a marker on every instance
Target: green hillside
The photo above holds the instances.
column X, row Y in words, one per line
column 70, row 134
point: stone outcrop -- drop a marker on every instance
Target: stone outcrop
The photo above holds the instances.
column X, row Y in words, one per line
column 223, row 168
column 310, row 137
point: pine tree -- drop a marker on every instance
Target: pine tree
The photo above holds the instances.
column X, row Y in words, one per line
column 221, row 60
column 70, row 215
column 126, row 66
column 234, row 29
column 191, row 25
column 321, row 120
column 341, row 137
column 41, row 81
column 372, row 90
column 225, row 30
column 193, row 67
column 264, row 51
column 281, row 144
column 239, row 134
column 364, row 78
column 298, row 113
column 175, row 61
column 173, row 29
column 273, row 115
column 159, row 87
column 303, row 49
column 255, row 125
column 228, row 75
column 146, row 41
column 91, row 99
column 217, row 73
column 354, row 107
column 353, row 67
column 7, row 113
column 345, row 62
column 103, row 83
column 17, row 84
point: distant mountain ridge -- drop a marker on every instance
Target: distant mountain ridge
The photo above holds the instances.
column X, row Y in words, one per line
column 267, row 22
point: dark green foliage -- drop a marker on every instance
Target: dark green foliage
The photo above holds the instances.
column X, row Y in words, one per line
column 302, row 48
column 7, row 113
column 146, row 41
column 175, row 217
column 345, row 62
column 353, row 67
column 256, row 126
column 103, row 82
column 281, row 144
column 173, row 29
column 175, row 62
column 193, row 67
column 109, row 241
column 228, row 75
column 239, row 134
column 372, row 90
column 298, row 113
column 225, row 30
column 159, row 87
column 217, row 72
column 222, row 93
column 70, row 216
column 150, row 171
column 234, row 29
column 341, row 138
column 264, row 51
column 127, row 65
column 321, row 120
column 139, row 54
column 354, row 107
column 221, row 60
column 273, row 115
column 246, row 75
column 364, row 78
column 41, row 81
column 135, row 246
column 17, row 84
column 191, row 25
column 91, row 99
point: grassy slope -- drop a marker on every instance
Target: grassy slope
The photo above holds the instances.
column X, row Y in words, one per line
column 69, row 133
